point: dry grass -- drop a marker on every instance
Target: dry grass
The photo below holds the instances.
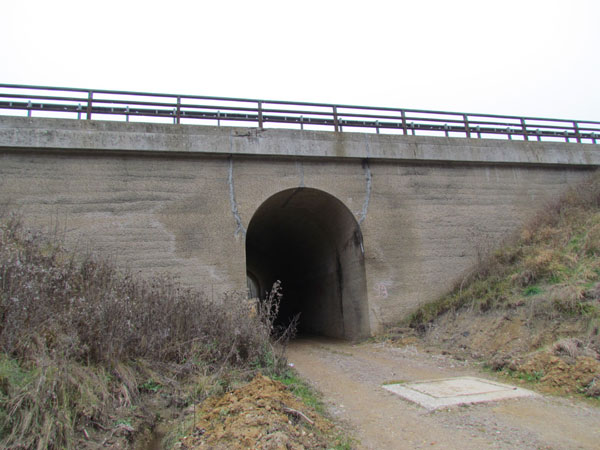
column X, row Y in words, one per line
column 532, row 309
column 553, row 264
column 81, row 341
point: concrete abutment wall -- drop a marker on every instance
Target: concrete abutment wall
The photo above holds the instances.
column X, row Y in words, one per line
column 183, row 199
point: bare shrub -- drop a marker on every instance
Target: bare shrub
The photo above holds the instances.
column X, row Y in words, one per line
column 78, row 338
column 571, row 347
column 91, row 312
column 268, row 310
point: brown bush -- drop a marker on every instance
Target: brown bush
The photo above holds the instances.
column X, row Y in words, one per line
column 89, row 311
column 77, row 337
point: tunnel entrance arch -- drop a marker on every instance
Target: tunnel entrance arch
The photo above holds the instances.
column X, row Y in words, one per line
column 310, row 241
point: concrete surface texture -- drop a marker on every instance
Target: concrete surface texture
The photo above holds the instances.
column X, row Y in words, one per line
column 446, row 392
column 360, row 228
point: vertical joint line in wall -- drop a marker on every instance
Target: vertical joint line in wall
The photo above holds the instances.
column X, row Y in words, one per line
column 369, row 179
column 234, row 209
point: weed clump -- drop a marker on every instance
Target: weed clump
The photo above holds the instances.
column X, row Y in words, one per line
column 81, row 342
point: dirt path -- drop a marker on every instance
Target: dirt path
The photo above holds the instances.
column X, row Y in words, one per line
column 351, row 376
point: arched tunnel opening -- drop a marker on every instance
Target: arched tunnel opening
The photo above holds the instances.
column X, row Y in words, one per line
column 311, row 242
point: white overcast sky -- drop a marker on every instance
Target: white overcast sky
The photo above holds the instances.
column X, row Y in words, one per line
column 521, row 57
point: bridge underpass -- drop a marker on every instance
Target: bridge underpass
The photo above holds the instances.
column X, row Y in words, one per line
column 216, row 205
column 312, row 243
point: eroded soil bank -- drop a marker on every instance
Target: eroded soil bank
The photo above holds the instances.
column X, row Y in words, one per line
column 260, row 415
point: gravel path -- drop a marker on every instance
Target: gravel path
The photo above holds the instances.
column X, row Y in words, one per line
column 350, row 377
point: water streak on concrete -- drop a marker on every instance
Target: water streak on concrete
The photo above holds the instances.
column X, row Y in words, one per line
column 365, row 207
column 234, row 209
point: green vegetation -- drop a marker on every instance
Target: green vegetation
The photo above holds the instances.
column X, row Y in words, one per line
column 83, row 346
column 531, row 290
column 525, row 376
column 301, row 389
column 344, row 442
column 150, row 386
column 309, row 396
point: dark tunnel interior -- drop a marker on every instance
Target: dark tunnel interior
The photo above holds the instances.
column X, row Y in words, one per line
column 312, row 243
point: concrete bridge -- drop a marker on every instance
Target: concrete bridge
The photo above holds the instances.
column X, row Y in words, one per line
column 361, row 228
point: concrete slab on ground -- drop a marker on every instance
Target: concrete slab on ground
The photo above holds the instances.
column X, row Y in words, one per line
column 435, row 394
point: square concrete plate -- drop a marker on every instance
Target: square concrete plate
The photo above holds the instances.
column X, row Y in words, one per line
column 435, row 394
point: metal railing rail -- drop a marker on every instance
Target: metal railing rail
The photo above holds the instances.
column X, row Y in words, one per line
column 89, row 103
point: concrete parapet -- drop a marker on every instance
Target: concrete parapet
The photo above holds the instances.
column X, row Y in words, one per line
column 83, row 135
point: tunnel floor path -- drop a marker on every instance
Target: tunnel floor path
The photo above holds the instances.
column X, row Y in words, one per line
column 350, row 378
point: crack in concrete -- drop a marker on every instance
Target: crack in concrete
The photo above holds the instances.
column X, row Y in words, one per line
column 369, row 178
column 234, row 209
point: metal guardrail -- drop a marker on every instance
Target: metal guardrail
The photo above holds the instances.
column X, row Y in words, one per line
column 123, row 105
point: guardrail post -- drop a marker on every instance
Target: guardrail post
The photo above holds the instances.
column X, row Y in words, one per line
column 178, row 110
column 89, row 105
column 336, row 126
column 524, row 127
column 577, row 134
column 467, row 128
column 29, row 106
column 260, row 116
column 404, row 121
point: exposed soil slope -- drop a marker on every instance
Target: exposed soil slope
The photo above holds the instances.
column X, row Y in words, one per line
column 261, row 415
